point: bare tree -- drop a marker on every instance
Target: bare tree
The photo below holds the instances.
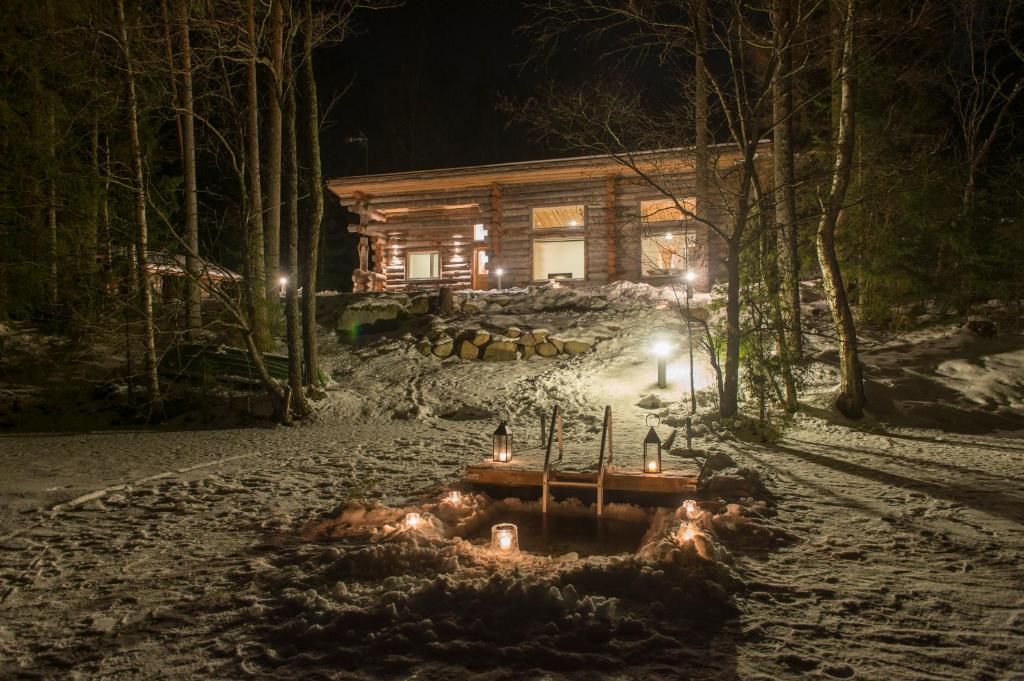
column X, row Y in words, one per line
column 850, row 400
column 254, row 264
column 272, row 233
column 142, row 233
column 309, row 341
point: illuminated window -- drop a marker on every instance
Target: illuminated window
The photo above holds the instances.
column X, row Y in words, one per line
column 423, row 265
column 559, row 217
column 665, row 210
column 559, row 259
column 479, row 233
column 666, row 253
column 482, row 261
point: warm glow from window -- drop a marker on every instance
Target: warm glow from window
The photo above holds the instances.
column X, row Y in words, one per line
column 559, row 259
column 479, row 233
column 423, row 265
column 555, row 217
column 661, row 255
column 665, row 210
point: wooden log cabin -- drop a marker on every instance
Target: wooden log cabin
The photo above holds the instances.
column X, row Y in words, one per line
column 582, row 220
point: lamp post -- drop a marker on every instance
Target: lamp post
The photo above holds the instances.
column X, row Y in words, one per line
column 690, row 276
column 660, row 349
column 283, row 281
column 499, row 272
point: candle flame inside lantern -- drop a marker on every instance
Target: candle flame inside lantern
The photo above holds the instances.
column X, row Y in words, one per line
column 690, row 506
column 652, row 466
column 505, row 538
column 454, row 497
column 412, row 520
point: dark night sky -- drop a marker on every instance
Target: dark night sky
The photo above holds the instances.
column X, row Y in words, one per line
column 426, row 79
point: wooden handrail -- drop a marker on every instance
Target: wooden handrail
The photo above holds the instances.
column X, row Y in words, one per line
column 556, row 417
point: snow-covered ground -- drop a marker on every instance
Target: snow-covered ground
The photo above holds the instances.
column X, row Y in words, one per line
column 885, row 549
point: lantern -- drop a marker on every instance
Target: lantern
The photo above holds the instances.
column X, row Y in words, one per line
column 413, row 520
column 687, row 533
column 453, row 497
column 505, row 538
column 502, row 444
column 652, row 450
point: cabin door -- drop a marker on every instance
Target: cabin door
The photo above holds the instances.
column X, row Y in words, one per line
column 481, row 271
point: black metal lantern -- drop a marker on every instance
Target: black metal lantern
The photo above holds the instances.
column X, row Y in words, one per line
column 502, row 444
column 652, row 450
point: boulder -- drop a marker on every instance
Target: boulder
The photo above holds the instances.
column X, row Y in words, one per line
column 474, row 306
column 500, row 351
column 370, row 312
column 513, row 332
column 649, row 402
column 424, row 348
column 419, row 305
column 546, row 349
column 528, row 339
column 540, row 334
column 981, row 327
column 528, row 351
column 443, row 349
column 468, row 351
column 559, row 343
column 481, row 338
column 576, row 347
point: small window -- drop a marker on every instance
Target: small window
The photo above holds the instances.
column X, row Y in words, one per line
column 666, row 253
column 479, row 233
column 666, row 210
column 423, row 265
column 559, row 259
column 559, row 217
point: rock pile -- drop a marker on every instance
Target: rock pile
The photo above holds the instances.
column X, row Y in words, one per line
column 510, row 344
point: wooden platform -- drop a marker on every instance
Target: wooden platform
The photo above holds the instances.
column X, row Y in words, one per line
column 523, row 477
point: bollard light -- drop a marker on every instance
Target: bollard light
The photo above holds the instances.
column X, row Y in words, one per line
column 686, row 533
column 661, row 350
column 499, row 272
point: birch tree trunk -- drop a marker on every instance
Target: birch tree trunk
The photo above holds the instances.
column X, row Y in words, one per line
column 291, row 164
column 142, row 235
column 255, row 286
column 700, row 76
column 790, row 340
column 52, row 293
column 309, row 342
column 850, row 400
column 272, row 231
column 194, row 309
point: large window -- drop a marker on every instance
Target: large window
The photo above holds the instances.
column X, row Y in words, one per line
column 559, row 259
column 423, row 265
column 666, row 253
column 666, row 210
column 559, row 217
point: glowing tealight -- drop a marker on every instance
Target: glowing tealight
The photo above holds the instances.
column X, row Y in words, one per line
column 413, row 520
column 505, row 538
column 690, row 506
column 687, row 533
column 454, row 497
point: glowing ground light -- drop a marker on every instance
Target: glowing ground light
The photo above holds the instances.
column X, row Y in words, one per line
column 660, row 349
column 283, row 281
column 690, row 506
column 687, row 533
column 454, row 497
column 413, row 520
column 505, row 538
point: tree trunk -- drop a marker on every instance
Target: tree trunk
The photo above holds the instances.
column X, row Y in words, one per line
column 108, row 246
column 92, row 229
column 730, row 394
column 142, row 235
column 255, row 285
column 703, row 159
column 317, row 210
column 52, row 294
column 272, row 231
column 785, row 181
column 194, row 309
column 292, row 239
column 851, row 399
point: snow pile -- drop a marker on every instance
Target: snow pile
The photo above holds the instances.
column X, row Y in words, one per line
column 413, row 594
column 994, row 381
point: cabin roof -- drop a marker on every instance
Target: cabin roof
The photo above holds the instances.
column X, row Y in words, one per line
column 661, row 161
